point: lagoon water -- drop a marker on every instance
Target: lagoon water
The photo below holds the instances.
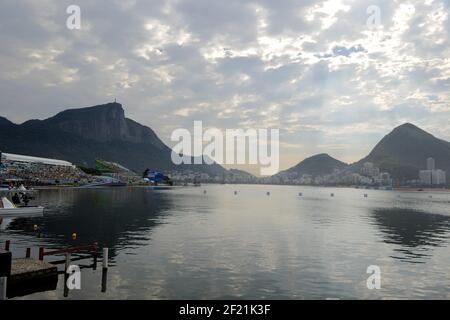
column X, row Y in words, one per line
column 187, row 244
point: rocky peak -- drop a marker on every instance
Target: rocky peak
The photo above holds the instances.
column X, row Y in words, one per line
column 101, row 123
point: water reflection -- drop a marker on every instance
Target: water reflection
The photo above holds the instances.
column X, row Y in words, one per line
column 415, row 232
column 115, row 218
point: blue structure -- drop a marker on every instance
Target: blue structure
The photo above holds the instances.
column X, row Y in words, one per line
column 156, row 178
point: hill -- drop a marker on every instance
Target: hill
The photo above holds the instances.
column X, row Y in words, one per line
column 317, row 165
column 404, row 151
column 83, row 135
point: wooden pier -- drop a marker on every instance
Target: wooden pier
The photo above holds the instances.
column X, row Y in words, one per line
column 25, row 276
column 29, row 276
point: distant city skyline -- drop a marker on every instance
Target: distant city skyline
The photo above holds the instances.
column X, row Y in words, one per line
column 432, row 175
column 313, row 69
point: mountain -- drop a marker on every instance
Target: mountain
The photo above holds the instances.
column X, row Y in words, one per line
column 404, row 152
column 317, row 165
column 100, row 132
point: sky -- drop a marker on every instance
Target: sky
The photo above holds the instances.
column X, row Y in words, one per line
column 333, row 76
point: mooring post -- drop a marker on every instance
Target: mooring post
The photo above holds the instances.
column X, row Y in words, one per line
column 105, row 258
column 104, row 279
column 3, row 283
column 41, row 253
column 28, row 254
column 7, row 244
column 66, row 275
column 105, row 269
column 67, row 262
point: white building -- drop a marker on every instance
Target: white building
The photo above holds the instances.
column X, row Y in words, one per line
column 439, row 177
column 425, row 177
column 432, row 176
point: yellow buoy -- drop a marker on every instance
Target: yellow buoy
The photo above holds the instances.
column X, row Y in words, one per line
column 35, row 227
column 74, row 236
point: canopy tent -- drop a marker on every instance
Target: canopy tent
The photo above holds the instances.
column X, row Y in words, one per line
column 110, row 167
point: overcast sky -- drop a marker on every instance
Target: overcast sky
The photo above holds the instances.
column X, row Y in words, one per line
column 314, row 69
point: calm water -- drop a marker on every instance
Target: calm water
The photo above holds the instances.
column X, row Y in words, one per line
column 185, row 244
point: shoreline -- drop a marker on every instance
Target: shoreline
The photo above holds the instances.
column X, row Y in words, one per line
column 398, row 189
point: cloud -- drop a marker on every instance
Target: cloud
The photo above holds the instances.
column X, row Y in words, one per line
column 311, row 68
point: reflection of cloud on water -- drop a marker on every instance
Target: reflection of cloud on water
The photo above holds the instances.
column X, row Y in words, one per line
column 414, row 232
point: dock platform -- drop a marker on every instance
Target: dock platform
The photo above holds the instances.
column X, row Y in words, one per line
column 29, row 276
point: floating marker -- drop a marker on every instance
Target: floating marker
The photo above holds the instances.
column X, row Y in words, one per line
column 365, row 195
column 300, row 194
column 204, row 192
column 35, row 227
column 74, row 236
column 332, row 195
column 235, row 193
column 268, row 193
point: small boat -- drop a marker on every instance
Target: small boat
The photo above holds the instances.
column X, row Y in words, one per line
column 8, row 209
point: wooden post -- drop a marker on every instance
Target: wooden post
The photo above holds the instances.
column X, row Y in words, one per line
column 67, row 261
column 66, row 275
column 3, row 284
column 7, row 244
column 28, row 255
column 105, row 269
column 104, row 279
column 105, row 258
column 41, row 253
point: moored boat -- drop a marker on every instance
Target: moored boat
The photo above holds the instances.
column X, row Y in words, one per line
column 8, row 209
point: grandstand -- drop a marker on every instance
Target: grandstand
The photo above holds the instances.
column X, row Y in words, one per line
column 39, row 170
column 9, row 157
